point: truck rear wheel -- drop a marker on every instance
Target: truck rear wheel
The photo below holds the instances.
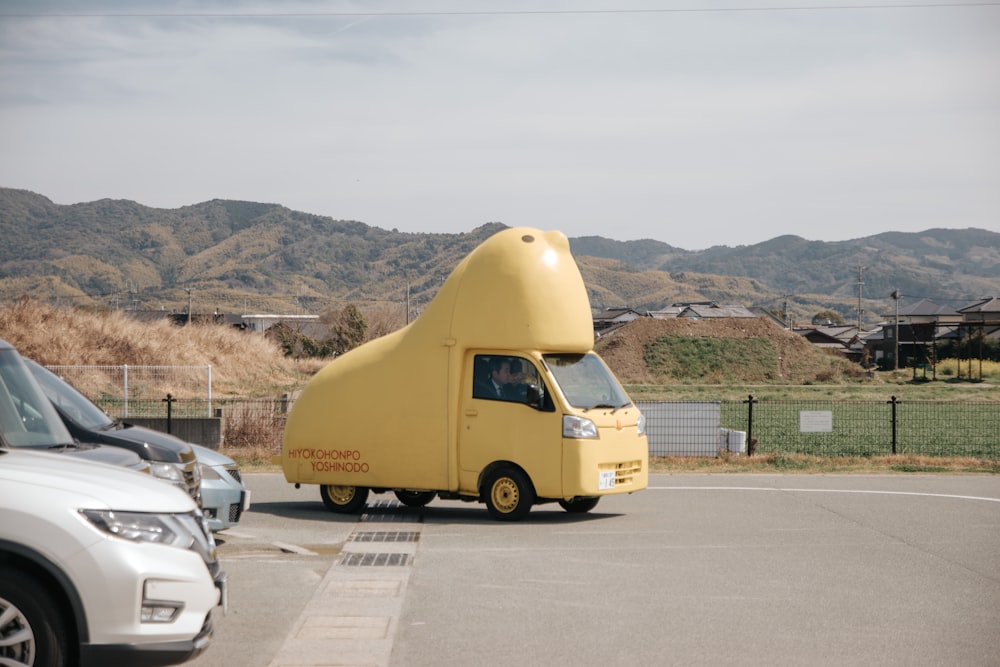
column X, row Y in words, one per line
column 509, row 494
column 344, row 499
column 580, row 504
column 415, row 498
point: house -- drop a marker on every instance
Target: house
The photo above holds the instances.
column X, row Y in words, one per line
column 924, row 325
column 985, row 313
column 612, row 318
column 263, row 322
column 981, row 323
column 665, row 313
column 842, row 340
column 765, row 314
column 912, row 333
column 714, row 310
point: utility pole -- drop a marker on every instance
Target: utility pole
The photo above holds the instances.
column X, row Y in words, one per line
column 895, row 355
column 860, row 284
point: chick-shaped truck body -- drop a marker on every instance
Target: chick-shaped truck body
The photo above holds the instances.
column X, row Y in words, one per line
column 493, row 394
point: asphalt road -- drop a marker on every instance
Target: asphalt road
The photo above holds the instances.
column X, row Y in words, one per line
column 696, row 570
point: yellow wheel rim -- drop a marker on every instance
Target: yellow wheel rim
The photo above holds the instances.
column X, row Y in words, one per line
column 505, row 495
column 341, row 494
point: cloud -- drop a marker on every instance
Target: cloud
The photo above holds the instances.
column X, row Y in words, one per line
column 691, row 128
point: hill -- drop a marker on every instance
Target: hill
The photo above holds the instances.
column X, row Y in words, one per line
column 663, row 352
column 236, row 256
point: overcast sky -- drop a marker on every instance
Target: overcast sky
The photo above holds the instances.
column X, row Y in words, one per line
column 689, row 122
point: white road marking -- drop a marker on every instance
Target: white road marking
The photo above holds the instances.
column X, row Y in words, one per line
column 861, row 491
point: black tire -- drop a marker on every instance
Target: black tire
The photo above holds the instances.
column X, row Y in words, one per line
column 508, row 494
column 344, row 499
column 29, row 612
column 414, row 498
column 579, row 505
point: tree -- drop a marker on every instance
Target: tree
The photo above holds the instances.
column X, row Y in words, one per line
column 297, row 345
column 347, row 328
column 828, row 317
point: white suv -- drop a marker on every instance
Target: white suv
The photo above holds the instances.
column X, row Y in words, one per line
column 99, row 564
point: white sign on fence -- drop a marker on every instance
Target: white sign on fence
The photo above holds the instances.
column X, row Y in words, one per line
column 816, row 421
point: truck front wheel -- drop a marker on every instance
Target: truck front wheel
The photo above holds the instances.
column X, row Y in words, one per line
column 344, row 499
column 509, row 494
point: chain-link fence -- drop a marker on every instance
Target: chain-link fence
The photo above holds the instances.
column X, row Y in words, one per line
column 133, row 391
column 824, row 428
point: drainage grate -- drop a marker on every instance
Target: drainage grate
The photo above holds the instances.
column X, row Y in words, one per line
column 382, row 503
column 390, row 517
column 376, row 559
column 386, row 536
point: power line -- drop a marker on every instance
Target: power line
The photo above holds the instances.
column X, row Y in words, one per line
column 524, row 12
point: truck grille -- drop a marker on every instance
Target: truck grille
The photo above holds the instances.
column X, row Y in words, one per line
column 625, row 472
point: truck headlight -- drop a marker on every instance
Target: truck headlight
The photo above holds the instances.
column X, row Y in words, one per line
column 641, row 425
column 578, row 427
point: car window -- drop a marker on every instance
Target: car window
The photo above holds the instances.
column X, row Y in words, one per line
column 508, row 378
column 27, row 419
column 65, row 396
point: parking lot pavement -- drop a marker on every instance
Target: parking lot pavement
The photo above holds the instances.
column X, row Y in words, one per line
column 697, row 569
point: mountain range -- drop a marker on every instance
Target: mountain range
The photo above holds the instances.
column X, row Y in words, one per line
column 239, row 256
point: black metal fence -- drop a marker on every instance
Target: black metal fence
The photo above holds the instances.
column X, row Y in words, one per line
column 708, row 428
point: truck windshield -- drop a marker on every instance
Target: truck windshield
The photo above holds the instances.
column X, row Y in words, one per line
column 27, row 419
column 586, row 381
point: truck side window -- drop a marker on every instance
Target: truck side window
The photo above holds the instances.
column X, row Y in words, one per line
column 509, row 378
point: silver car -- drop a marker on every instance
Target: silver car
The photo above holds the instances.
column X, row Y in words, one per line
column 224, row 497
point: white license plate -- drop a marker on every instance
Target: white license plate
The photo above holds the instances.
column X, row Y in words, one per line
column 605, row 479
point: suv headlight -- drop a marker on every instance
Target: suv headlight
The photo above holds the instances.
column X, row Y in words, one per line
column 208, row 472
column 168, row 529
column 578, row 427
column 169, row 472
column 641, row 425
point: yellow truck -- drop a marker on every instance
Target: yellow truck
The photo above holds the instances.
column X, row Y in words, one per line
column 493, row 394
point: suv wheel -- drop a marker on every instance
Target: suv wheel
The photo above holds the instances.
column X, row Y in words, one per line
column 31, row 629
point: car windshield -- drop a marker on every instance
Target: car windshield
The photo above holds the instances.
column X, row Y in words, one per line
column 585, row 381
column 27, row 419
column 75, row 405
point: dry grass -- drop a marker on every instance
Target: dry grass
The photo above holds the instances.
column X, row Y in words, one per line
column 253, row 435
column 242, row 364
